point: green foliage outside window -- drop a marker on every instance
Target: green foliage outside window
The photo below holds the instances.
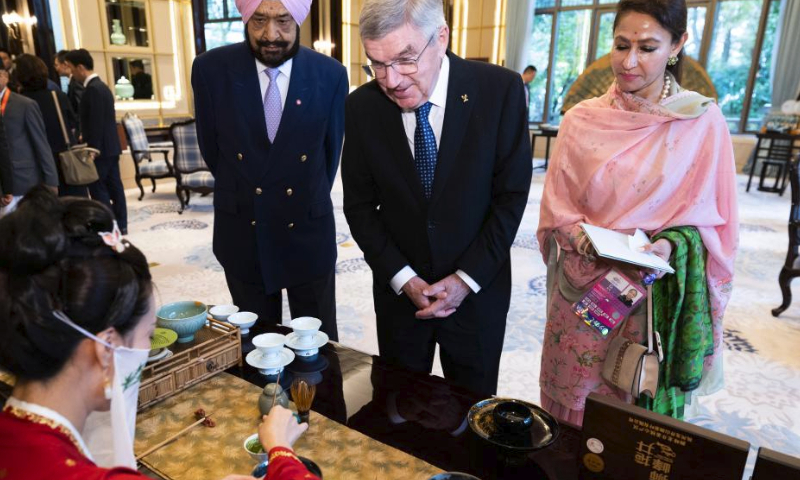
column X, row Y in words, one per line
column 730, row 56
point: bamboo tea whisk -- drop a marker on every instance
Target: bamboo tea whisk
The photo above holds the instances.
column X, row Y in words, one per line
column 303, row 396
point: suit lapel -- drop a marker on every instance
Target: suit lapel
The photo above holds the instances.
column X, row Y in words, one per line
column 298, row 99
column 457, row 113
column 250, row 109
column 395, row 136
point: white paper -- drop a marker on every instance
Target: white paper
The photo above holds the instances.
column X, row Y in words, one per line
column 624, row 248
column 638, row 240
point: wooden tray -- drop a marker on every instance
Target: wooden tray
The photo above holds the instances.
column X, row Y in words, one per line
column 215, row 348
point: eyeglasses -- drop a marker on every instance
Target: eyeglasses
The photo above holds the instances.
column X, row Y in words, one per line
column 379, row 70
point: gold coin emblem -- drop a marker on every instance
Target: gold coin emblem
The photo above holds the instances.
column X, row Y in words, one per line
column 593, row 462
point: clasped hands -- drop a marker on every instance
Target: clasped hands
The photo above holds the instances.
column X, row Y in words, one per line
column 439, row 300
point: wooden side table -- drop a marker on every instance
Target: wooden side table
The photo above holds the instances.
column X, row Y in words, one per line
column 774, row 150
column 548, row 133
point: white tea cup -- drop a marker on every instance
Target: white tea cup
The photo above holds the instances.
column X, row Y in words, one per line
column 269, row 344
column 243, row 320
column 222, row 312
column 306, row 329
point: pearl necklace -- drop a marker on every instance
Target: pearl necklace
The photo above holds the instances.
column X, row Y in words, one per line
column 665, row 90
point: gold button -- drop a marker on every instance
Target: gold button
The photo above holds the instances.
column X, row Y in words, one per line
column 289, row 192
column 303, row 157
column 291, row 225
column 253, row 223
column 239, row 156
column 258, row 191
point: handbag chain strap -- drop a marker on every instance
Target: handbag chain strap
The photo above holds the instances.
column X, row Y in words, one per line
column 60, row 118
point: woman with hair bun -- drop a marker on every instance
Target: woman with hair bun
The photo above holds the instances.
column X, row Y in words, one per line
column 76, row 317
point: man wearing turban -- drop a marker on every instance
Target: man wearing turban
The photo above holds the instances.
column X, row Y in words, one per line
column 270, row 122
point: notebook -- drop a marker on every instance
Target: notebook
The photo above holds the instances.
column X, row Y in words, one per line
column 624, row 248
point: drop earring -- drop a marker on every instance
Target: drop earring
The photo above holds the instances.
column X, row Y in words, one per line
column 107, row 388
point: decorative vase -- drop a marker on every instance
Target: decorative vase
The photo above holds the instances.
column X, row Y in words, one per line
column 117, row 37
column 123, row 88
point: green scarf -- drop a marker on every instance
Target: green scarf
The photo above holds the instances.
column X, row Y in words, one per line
column 682, row 316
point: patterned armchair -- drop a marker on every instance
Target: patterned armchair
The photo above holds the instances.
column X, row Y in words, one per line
column 142, row 153
column 191, row 171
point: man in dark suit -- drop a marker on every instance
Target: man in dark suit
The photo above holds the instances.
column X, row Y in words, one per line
column 99, row 130
column 436, row 171
column 29, row 153
column 6, row 171
column 7, row 64
column 142, row 82
column 74, row 89
column 270, row 124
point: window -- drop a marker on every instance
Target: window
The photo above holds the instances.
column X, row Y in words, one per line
column 223, row 33
column 540, row 58
column 731, row 54
column 761, row 100
column 220, row 22
column 726, row 36
column 572, row 42
column 696, row 25
column 605, row 34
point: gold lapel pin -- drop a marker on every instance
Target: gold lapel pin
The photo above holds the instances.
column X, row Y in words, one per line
column 464, row 98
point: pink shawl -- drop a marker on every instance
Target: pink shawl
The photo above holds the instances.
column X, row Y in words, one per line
column 622, row 162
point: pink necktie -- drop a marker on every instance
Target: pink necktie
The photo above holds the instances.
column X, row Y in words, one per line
column 272, row 104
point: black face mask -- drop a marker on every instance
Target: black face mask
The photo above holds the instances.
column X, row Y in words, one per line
column 274, row 60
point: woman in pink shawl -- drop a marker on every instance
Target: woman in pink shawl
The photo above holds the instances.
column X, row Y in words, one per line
column 645, row 155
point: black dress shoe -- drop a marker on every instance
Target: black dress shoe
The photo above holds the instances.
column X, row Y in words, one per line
column 124, row 231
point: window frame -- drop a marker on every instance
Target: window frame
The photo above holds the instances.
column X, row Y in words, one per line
column 599, row 8
column 201, row 20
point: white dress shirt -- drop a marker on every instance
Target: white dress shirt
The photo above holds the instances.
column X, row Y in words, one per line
column 438, row 100
column 283, row 80
column 89, row 79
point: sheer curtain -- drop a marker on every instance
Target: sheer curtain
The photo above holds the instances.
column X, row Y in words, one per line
column 786, row 63
column 519, row 20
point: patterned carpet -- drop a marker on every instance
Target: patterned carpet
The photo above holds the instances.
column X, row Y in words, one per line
column 762, row 365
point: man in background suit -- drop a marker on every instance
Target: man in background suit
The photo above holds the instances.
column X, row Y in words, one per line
column 436, row 171
column 74, row 89
column 142, row 81
column 7, row 64
column 98, row 122
column 270, row 124
column 29, row 153
column 528, row 76
column 6, row 172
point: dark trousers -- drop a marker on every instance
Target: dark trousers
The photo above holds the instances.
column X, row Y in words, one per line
column 108, row 188
column 470, row 340
column 65, row 190
column 313, row 299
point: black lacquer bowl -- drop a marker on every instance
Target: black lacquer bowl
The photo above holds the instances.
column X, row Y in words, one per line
column 513, row 424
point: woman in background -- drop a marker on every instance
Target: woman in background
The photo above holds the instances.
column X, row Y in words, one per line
column 649, row 155
column 33, row 81
column 76, row 318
